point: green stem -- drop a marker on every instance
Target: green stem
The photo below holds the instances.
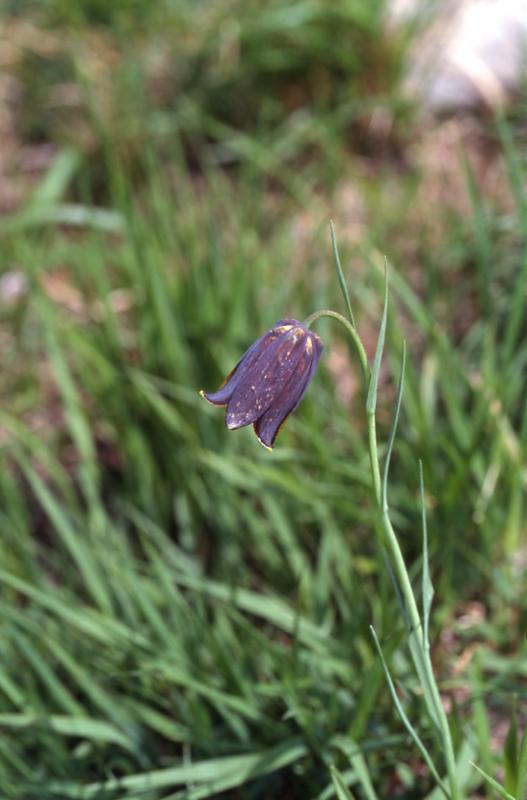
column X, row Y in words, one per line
column 420, row 652
column 361, row 352
column 363, row 359
column 374, row 457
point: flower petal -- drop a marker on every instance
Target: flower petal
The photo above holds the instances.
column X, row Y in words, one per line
column 264, row 381
column 222, row 396
column 268, row 425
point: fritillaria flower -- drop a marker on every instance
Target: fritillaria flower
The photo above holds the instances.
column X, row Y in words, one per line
column 269, row 381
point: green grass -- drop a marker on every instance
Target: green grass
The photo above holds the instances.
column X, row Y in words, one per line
column 233, row 81
column 183, row 614
column 171, row 591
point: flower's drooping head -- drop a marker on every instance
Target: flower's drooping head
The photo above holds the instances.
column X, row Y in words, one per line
column 269, row 381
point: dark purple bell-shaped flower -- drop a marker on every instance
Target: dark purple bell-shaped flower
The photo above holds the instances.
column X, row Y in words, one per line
column 269, row 381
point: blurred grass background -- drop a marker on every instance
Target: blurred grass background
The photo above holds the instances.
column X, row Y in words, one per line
column 184, row 615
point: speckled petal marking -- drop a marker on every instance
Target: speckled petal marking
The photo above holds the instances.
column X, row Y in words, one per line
column 268, row 425
column 222, row 396
column 264, row 381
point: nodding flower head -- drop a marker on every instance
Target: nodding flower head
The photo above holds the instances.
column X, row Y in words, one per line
column 269, row 381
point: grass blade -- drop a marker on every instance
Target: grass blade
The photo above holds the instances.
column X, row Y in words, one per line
column 498, row 788
column 427, row 587
column 341, row 790
column 77, row 727
column 230, row 771
column 521, row 785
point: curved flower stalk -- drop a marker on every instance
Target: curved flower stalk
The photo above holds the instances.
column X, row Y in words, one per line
column 265, row 387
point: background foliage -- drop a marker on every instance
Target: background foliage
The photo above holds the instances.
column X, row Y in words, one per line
column 184, row 615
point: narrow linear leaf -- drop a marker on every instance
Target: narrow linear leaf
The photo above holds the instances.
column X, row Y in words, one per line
column 428, row 589
column 340, row 274
column 393, row 431
column 272, row 609
column 78, row 216
column 222, row 784
column 521, row 785
column 498, row 788
column 58, row 692
column 235, row 770
column 510, row 753
column 371, row 400
column 88, row 686
column 98, row 627
column 215, row 696
column 359, row 766
column 406, row 722
column 158, row 722
column 12, row 692
column 79, row 727
column 64, row 527
column 55, row 182
column 341, row 790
